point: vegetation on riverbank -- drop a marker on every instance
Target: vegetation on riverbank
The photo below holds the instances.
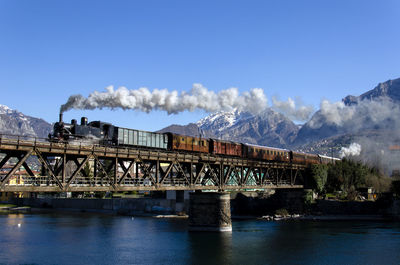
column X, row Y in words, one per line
column 346, row 177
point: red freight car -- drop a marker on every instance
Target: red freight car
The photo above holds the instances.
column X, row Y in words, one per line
column 305, row 159
column 266, row 153
column 187, row 143
column 228, row 148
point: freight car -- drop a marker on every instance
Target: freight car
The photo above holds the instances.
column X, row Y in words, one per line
column 266, row 153
column 227, row 148
column 107, row 134
column 305, row 159
column 187, row 143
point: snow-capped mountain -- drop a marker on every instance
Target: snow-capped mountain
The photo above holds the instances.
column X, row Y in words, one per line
column 13, row 122
column 222, row 120
column 267, row 128
column 5, row 110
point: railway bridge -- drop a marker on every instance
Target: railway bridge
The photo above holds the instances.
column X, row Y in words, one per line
column 37, row 165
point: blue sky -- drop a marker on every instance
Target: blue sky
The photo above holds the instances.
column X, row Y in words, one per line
column 314, row 50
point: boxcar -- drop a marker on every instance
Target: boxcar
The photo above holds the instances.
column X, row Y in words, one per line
column 305, row 159
column 220, row 147
column 265, row 153
column 187, row 143
column 140, row 138
column 312, row 159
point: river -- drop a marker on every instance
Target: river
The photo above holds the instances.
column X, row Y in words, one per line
column 89, row 238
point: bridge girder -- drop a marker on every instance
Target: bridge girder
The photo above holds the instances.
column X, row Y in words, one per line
column 68, row 167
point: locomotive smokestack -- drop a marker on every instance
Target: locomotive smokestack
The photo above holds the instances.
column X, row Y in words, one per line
column 61, row 117
column 84, row 121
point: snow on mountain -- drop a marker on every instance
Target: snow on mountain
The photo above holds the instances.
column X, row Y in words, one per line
column 13, row 122
column 5, row 109
column 222, row 120
column 267, row 128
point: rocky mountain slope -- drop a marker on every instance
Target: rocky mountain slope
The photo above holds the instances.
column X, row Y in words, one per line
column 390, row 89
column 15, row 123
column 267, row 128
column 190, row 129
column 371, row 120
column 375, row 110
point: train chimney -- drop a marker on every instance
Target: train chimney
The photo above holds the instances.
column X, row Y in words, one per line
column 84, row 121
column 61, row 117
column 73, row 122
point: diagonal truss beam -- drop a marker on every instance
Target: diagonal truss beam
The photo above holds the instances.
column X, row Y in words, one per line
column 211, row 172
column 103, row 170
column 5, row 160
column 179, row 169
column 16, row 167
column 227, row 175
column 50, row 170
column 146, row 169
column 166, row 173
column 198, row 174
column 126, row 170
column 85, row 160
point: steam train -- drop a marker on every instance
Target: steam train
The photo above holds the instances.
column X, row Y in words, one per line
column 107, row 134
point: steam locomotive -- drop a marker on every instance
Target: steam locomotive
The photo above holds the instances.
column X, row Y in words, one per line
column 107, row 134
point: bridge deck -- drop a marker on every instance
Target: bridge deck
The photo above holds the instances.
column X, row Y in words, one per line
column 42, row 166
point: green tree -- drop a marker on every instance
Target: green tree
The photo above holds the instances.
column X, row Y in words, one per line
column 348, row 176
column 319, row 175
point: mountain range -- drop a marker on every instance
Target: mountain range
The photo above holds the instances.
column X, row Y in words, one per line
column 267, row 128
column 13, row 122
column 371, row 119
column 374, row 114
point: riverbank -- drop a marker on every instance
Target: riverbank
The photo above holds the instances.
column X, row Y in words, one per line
column 5, row 207
column 122, row 206
column 327, row 218
column 161, row 208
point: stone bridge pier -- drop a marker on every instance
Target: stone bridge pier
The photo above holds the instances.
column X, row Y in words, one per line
column 210, row 211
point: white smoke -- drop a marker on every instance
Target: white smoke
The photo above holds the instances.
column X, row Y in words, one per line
column 142, row 99
column 292, row 109
column 353, row 150
column 366, row 113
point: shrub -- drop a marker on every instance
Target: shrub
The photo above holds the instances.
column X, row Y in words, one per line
column 282, row 212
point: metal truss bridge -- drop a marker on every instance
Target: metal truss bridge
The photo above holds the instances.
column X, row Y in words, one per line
column 33, row 165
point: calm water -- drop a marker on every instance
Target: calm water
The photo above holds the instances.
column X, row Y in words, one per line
column 84, row 238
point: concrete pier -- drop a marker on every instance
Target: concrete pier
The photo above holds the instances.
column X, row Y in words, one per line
column 210, row 211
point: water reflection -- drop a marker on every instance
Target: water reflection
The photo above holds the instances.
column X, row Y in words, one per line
column 210, row 247
column 82, row 238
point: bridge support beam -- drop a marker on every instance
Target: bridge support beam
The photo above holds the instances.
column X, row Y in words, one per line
column 210, row 211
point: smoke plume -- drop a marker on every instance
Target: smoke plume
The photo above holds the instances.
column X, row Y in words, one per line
column 353, row 150
column 293, row 110
column 373, row 124
column 142, row 99
column 382, row 112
